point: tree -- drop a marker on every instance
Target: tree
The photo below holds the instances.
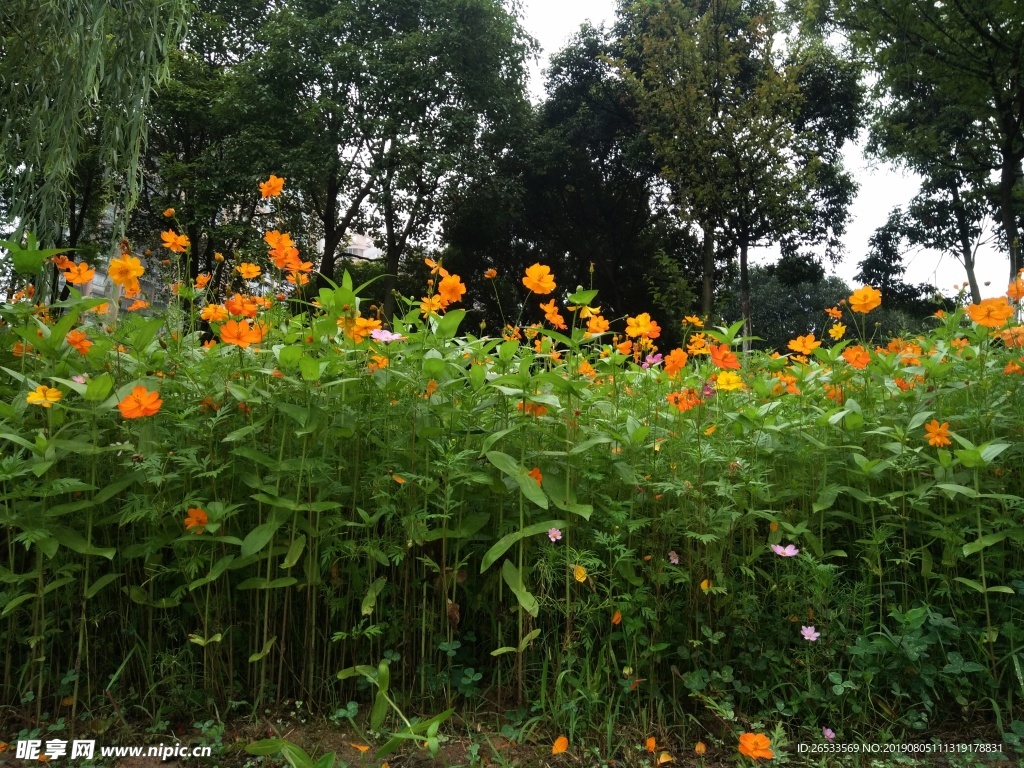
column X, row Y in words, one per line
column 949, row 93
column 77, row 77
column 378, row 111
column 750, row 156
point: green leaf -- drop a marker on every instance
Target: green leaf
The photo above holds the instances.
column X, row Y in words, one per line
column 100, row 583
column 265, row 747
column 502, row 545
column 294, row 551
column 296, row 755
column 370, row 598
column 261, row 535
column 514, row 580
column 992, row 538
column 449, row 324
column 264, row 651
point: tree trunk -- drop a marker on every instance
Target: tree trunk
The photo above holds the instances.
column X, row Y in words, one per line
column 708, row 288
column 745, row 293
column 1007, row 181
column 966, row 251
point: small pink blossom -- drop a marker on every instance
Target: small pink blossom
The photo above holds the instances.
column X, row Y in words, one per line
column 787, row 551
column 379, row 334
column 652, row 360
column 673, row 557
column 80, row 379
column 829, row 734
column 809, row 634
column 554, row 534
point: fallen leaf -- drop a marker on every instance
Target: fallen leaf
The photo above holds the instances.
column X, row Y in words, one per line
column 561, row 744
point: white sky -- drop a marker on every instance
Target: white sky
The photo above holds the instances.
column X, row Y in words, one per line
column 553, row 23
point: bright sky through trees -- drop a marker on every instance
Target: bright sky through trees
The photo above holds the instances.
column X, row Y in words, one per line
column 881, row 186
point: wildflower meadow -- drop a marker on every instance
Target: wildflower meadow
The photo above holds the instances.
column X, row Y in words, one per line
column 253, row 493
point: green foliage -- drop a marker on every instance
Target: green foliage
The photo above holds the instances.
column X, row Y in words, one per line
column 537, row 519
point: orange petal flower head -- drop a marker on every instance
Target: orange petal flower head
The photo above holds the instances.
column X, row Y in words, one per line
column 248, row 271
column 857, row 356
column 724, row 358
column 175, row 242
column 79, row 274
column 451, row 289
column 805, row 345
column 240, row 334
column 79, row 341
column 197, row 520
column 863, row 300
column 561, row 745
column 642, row 325
column 937, row 434
column 125, row 270
column 991, row 313
column 141, row 402
column 756, row 746
column 539, row 279
column 271, row 187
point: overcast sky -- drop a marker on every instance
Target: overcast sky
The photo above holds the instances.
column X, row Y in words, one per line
column 553, row 22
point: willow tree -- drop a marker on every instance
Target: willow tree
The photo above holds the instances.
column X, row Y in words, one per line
column 75, row 80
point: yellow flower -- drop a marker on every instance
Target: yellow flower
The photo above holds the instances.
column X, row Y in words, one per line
column 727, row 380
column 125, row 270
column 837, row 331
column 865, row 299
column 695, row 321
column 44, row 396
column 579, row 573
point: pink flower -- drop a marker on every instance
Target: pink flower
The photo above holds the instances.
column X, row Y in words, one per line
column 673, row 557
column 787, row 551
column 809, row 634
column 80, row 379
column 554, row 534
column 829, row 734
column 652, row 360
column 379, row 334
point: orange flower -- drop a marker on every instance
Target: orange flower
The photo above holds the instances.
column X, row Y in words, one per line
column 240, row 334
column 857, row 356
column 242, row 305
column 361, row 328
column 79, row 341
column 276, row 240
column 1013, row 337
column 1015, row 291
column 214, row 313
column 450, row 289
column 834, row 312
column 642, row 325
column 271, row 187
column 169, row 213
column 722, row 357
column 617, row 618
column 561, row 743
column 174, row 242
column 141, row 402
column 360, row 747
column 202, row 280
column 79, row 274
column 937, row 434
column 652, row 744
column 552, row 315
column 61, row 262
column 196, row 520
column 625, row 347
column 535, row 473
column 697, row 345
column 436, row 268
column 539, row 280
column 431, row 388
column 490, row 274
column 596, row 324
column 674, row 362
column 991, row 313
column 125, row 270
column 805, row 345
column 531, row 409
column 863, row 300
column 700, row 747
column 695, row 321
column 684, row 401
column 756, row 746
column 248, row 271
